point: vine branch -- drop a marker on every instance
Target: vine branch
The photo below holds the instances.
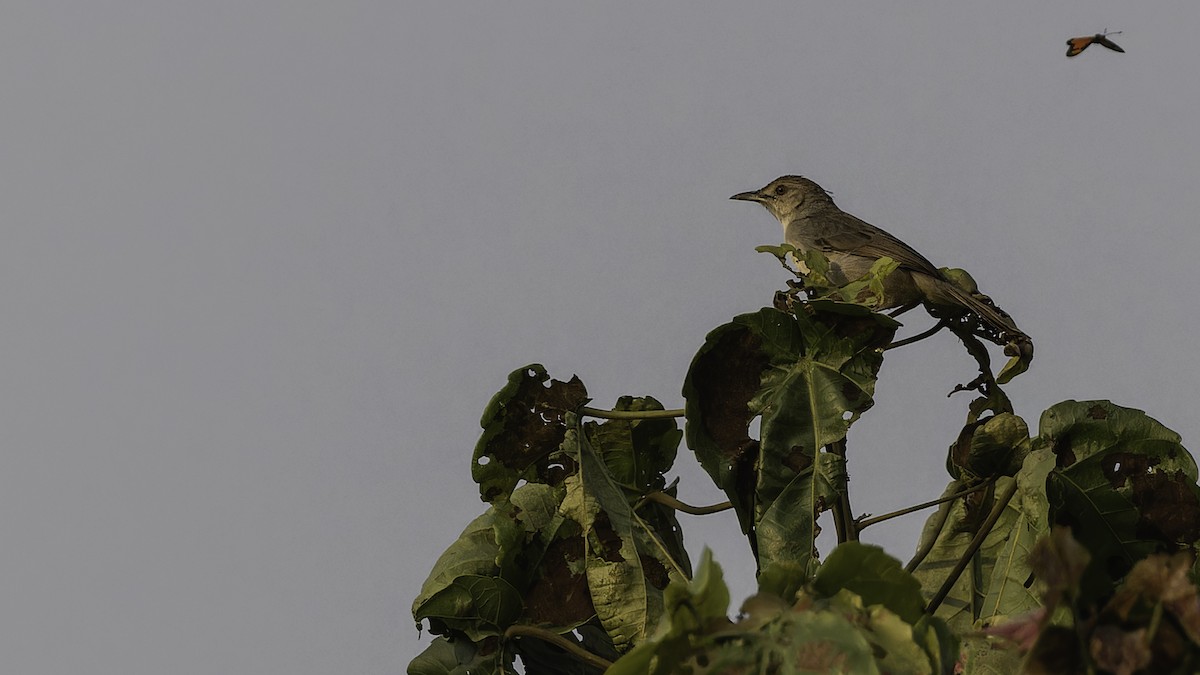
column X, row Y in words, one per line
column 630, row 414
column 558, row 641
column 867, row 522
column 671, row 502
column 972, row 548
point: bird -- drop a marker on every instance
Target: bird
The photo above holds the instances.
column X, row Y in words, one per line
column 1076, row 45
column 811, row 220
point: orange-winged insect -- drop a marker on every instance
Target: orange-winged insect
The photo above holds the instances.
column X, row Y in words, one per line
column 1076, row 45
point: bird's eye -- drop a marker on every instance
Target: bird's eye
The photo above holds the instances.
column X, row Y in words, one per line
column 782, row 189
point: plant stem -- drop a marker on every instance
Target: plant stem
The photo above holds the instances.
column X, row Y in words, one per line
column 843, row 516
column 863, row 524
column 557, row 640
column 630, row 414
column 972, row 548
column 667, row 500
column 919, row 336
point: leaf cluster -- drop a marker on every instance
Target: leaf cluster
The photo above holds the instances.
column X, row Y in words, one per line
column 567, row 555
column 807, row 376
column 1117, row 479
column 1066, row 551
column 861, row 613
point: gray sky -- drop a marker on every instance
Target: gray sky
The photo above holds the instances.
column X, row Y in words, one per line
column 265, row 263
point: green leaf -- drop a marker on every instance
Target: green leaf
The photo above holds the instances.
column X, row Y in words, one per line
column 1021, row 356
column 479, row 606
column 1008, row 592
column 472, row 554
column 531, row 547
column 781, row 251
column 809, row 376
column 997, row 446
column 947, row 535
column 984, row 656
column 532, row 528
column 837, row 634
column 1124, row 485
column 832, row 636
column 691, row 608
column 523, row 427
column 1083, row 428
column 459, row 658
column 874, row 575
column 939, row 643
column 626, row 571
column 833, row 644
column 637, row 452
column 868, row 290
column 894, row 646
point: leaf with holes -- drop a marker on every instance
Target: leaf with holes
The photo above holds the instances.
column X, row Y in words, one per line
column 1123, row 483
column 523, row 427
column 808, row 375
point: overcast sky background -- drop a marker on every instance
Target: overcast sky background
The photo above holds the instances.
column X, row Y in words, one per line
column 265, row 263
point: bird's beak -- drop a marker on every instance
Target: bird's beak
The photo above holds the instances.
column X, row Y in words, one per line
column 750, row 197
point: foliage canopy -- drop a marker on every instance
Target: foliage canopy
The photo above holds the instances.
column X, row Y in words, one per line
column 1071, row 550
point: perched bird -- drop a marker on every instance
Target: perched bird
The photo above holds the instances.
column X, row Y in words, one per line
column 811, row 220
column 1076, row 45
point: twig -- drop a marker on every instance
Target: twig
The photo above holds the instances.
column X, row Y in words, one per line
column 863, row 524
column 559, row 641
column 669, row 501
column 972, row 548
column 630, row 414
column 919, row 336
column 902, row 309
column 936, row 523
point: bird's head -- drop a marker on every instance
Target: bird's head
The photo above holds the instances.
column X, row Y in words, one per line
column 788, row 196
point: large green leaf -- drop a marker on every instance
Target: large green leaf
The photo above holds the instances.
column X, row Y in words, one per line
column 690, row 608
column 1008, row 592
column 842, row 633
column 947, row 536
column 520, row 543
column 873, row 575
column 992, row 446
column 1083, row 428
column 637, row 452
column 473, row 553
column 1123, row 483
column 479, row 606
column 1118, row 478
column 523, row 427
column 459, row 658
column 626, row 569
column 808, row 375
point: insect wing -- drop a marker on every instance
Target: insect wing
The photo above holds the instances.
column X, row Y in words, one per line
column 1109, row 43
column 1076, row 45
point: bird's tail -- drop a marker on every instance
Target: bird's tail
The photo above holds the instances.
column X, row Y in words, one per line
column 945, row 295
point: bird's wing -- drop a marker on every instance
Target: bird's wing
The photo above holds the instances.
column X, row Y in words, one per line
column 845, row 233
